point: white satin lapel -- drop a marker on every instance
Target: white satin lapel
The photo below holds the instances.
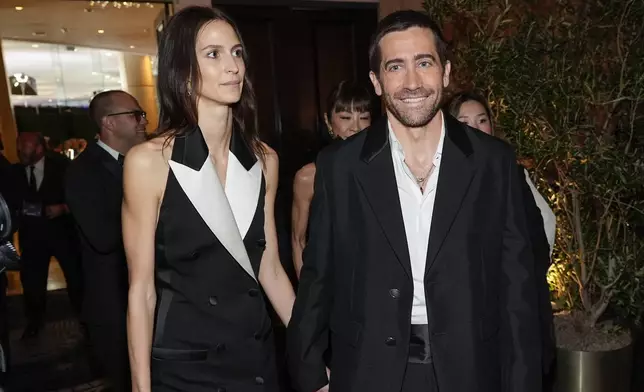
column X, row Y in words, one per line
column 206, row 194
column 242, row 189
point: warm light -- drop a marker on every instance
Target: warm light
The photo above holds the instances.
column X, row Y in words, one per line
column 19, row 8
column 101, row 31
column 34, row 45
column 132, row 46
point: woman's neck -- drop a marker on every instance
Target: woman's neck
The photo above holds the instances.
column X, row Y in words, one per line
column 216, row 123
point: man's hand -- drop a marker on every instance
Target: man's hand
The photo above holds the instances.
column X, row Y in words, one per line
column 56, row 210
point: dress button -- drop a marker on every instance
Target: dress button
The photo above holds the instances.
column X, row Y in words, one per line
column 259, row 381
column 220, row 348
column 394, row 293
column 261, row 243
column 253, row 292
column 390, row 341
column 213, row 301
column 194, row 255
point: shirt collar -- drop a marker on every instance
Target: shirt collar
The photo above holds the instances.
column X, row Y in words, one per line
column 115, row 154
column 40, row 165
column 397, row 147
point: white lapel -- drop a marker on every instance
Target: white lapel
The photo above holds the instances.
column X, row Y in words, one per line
column 206, row 194
column 242, row 190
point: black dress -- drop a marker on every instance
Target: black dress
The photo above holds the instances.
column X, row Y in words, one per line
column 212, row 330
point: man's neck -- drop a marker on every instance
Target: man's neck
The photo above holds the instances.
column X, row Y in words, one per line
column 419, row 144
column 114, row 145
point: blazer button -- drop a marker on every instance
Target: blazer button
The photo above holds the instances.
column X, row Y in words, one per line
column 261, row 243
column 253, row 292
column 394, row 293
column 390, row 341
column 257, row 336
column 259, row 381
column 213, row 301
column 194, row 255
column 220, row 348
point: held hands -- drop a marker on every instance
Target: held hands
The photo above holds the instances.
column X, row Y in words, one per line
column 56, row 210
column 326, row 387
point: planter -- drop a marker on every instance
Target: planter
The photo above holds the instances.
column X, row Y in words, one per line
column 603, row 371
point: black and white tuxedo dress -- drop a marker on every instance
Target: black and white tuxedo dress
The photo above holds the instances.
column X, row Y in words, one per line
column 212, row 331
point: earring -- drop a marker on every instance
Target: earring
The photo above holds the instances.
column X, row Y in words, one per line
column 328, row 129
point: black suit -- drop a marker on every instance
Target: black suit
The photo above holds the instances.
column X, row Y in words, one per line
column 41, row 238
column 356, row 281
column 94, row 194
column 541, row 252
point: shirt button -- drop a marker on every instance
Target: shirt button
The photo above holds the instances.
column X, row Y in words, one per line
column 390, row 341
column 213, row 301
column 259, row 381
column 394, row 293
column 253, row 292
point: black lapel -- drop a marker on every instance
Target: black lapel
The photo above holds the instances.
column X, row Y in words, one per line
column 242, row 151
column 378, row 180
column 106, row 160
column 191, row 150
column 454, row 179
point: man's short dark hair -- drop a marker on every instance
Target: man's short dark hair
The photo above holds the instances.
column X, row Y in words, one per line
column 401, row 21
column 102, row 104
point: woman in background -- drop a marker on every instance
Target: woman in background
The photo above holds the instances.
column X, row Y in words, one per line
column 198, row 222
column 348, row 112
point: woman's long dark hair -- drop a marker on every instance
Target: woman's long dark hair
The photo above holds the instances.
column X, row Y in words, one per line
column 179, row 76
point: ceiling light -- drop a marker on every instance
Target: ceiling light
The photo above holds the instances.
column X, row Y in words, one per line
column 101, row 31
column 34, row 45
column 19, row 8
column 108, row 53
column 94, row 73
column 132, row 46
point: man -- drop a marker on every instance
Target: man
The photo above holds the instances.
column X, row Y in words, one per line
column 418, row 261
column 45, row 227
column 94, row 195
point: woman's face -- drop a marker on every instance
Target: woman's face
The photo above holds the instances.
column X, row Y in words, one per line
column 222, row 67
column 473, row 114
column 343, row 124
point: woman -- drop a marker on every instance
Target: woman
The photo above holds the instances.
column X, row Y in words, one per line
column 473, row 110
column 348, row 112
column 198, row 223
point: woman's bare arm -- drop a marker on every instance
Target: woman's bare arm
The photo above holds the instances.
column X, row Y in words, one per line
column 272, row 276
column 302, row 196
column 142, row 172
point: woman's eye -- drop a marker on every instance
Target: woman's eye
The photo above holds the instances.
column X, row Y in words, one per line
column 214, row 54
column 237, row 53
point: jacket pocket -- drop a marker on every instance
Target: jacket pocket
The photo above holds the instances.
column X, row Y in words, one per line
column 172, row 354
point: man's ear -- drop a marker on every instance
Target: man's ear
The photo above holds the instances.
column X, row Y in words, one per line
column 376, row 83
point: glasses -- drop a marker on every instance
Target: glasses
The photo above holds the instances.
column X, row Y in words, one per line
column 138, row 114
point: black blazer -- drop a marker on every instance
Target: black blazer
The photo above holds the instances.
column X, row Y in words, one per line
column 94, row 191
column 541, row 252
column 357, row 283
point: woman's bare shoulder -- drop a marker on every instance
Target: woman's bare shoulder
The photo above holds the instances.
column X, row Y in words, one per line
column 306, row 174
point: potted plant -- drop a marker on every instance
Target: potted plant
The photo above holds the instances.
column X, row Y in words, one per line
column 565, row 80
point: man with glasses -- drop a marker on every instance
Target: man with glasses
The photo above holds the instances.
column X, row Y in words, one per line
column 94, row 193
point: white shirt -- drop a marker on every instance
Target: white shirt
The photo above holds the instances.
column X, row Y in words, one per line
column 417, row 210
column 39, row 172
column 549, row 218
column 110, row 150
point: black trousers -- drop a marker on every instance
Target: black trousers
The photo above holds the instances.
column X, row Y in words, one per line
column 419, row 377
column 109, row 350
column 37, row 247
